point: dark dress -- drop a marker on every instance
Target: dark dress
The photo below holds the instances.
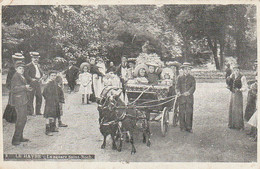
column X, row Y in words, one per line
column 71, row 76
column 51, row 96
column 251, row 102
column 61, row 101
column 153, row 78
column 236, row 103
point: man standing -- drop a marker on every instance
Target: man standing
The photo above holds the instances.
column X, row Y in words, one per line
column 33, row 75
column 10, row 113
column 19, row 100
column 185, row 88
column 122, row 72
column 72, row 75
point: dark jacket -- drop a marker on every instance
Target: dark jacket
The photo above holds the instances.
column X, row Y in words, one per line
column 72, row 74
column 10, row 75
column 30, row 72
column 51, row 96
column 185, row 84
column 153, row 78
column 19, row 95
column 118, row 70
column 94, row 70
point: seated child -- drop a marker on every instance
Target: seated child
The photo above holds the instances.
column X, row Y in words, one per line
column 153, row 74
column 167, row 77
column 140, row 73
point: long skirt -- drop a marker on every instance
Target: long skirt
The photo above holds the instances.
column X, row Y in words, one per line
column 98, row 86
column 253, row 120
column 251, row 105
column 236, row 111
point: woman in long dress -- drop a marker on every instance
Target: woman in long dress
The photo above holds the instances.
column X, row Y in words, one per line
column 237, row 84
column 99, row 84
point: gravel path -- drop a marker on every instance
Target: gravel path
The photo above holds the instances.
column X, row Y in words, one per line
column 211, row 140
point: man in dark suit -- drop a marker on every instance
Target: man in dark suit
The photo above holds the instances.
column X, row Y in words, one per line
column 72, row 75
column 9, row 113
column 19, row 100
column 185, row 87
column 33, row 74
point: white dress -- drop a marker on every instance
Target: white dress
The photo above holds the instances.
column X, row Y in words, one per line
column 85, row 80
column 98, row 80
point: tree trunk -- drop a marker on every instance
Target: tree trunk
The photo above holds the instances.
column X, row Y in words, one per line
column 241, row 22
column 214, row 48
column 222, row 59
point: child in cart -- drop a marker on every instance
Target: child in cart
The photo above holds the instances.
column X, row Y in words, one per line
column 85, row 79
column 167, row 76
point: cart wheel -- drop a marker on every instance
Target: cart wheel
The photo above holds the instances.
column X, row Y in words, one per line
column 165, row 121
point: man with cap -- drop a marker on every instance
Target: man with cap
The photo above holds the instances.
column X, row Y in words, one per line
column 9, row 113
column 185, row 87
column 72, row 75
column 19, row 100
column 33, row 75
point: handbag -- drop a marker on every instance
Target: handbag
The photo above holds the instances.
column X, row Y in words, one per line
column 10, row 114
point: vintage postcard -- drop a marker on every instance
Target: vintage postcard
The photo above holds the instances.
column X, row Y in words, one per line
column 129, row 84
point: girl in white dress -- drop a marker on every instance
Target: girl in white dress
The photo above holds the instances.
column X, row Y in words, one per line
column 85, row 79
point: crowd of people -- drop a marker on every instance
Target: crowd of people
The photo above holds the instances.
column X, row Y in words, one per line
column 24, row 83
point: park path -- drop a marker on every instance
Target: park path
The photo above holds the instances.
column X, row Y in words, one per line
column 211, row 141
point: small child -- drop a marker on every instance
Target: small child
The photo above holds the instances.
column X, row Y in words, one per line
column 51, row 96
column 153, row 74
column 85, row 79
column 167, row 77
column 59, row 82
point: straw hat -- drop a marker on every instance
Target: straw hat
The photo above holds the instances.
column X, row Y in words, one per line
column 167, row 71
column 83, row 65
column 138, row 67
column 175, row 63
column 19, row 64
column 35, row 54
column 152, row 64
column 18, row 56
column 186, row 64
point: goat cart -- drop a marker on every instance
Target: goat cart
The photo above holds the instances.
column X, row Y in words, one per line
column 155, row 100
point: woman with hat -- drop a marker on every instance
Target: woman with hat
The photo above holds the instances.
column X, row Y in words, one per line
column 19, row 99
column 9, row 113
column 85, row 79
column 153, row 73
column 237, row 85
column 140, row 74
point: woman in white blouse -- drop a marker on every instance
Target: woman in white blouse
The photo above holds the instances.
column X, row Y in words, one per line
column 237, row 85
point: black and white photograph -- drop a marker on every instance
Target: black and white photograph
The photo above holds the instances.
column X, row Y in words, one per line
column 130, row 83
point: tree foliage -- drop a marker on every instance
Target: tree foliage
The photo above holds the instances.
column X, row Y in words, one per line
column 192, row 33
